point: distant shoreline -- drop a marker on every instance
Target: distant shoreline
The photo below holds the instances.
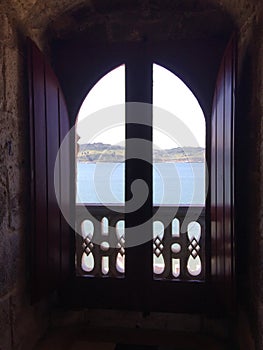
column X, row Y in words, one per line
column 158, row 162
column 105, row 153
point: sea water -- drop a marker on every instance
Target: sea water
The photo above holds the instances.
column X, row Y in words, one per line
column 173, row 183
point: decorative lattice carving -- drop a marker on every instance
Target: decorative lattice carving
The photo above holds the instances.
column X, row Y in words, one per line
column 194, row 263
column 120, row 246
column 157, row 246
column 194, row 248
column 176, row 254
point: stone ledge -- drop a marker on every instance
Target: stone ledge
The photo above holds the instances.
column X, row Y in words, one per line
column 79, row 338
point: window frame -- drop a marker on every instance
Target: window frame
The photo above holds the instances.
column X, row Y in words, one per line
column 139, row 73
column 198, row 64
column 134, row 285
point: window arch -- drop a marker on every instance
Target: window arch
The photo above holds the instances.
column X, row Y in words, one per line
column 182, row 142
column 176, row 161
column 108, row 142
column 101, row 151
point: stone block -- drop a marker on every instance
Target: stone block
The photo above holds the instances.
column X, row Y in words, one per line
column 9, row 261
column 3, row 194
column 112, row 318
column 16, row 220
column 128, row 320
column 220, row 328
column 12, row 58
column 29, row 321
column 169, row 321
column 5, row 325
column 66, row 318
column 23, row 8
column 85, row 345
column 5, row 29
column 2, row 82
column 259, row 331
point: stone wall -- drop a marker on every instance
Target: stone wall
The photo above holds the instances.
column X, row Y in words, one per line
column 20, row 323
column 259, row 101
column 249, row 180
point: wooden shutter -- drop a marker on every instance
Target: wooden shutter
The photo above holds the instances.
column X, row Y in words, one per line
column 222, row 180
column 49, row 123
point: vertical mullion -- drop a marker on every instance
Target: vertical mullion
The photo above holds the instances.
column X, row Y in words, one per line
column 138, row 165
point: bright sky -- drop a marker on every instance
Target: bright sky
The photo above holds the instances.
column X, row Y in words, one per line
column 169, row 93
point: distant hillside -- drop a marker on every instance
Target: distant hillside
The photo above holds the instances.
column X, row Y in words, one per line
column 100, row 152
column 186, row 154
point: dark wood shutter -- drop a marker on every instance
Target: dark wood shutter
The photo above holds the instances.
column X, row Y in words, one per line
column 49, row 123
column 222, row 180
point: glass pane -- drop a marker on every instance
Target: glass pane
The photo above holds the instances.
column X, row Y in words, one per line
column 100, row 138
column 179, row 142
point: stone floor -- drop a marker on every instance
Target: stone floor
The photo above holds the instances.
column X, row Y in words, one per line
column 82, row 338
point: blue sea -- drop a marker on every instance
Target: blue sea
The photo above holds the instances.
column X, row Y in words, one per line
column 173, row 183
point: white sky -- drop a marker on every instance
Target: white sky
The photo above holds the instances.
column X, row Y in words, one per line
column 169, row 93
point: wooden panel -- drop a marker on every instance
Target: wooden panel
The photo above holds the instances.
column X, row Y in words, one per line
column 228, row 185
column 38, row 172
column 45, row 125
column 139, row 257
column 213, row 172
column 222, row 175
column 66, row 193
column 52, row 139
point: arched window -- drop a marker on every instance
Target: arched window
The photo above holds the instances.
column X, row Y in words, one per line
column 101, row 142
column 174, row 137
column 178, row 142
